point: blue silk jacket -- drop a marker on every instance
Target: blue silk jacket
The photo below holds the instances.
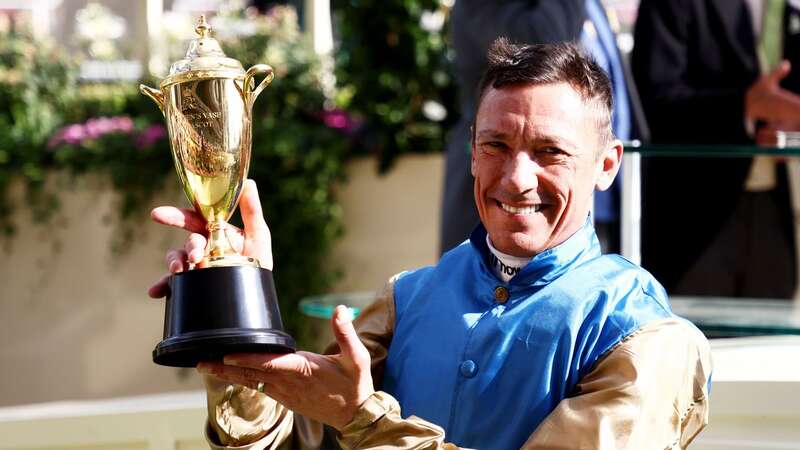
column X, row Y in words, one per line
column 488, row 360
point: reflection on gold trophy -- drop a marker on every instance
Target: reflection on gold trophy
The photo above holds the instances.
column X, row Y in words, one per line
column 207, row 100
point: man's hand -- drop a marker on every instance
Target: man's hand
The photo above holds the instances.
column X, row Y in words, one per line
column 329, row 389
column 767, row 101
column 253, row 241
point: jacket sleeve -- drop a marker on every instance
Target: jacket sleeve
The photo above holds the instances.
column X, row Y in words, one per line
column 649, row 392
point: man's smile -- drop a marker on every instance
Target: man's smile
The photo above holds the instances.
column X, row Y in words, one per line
column 524, row 210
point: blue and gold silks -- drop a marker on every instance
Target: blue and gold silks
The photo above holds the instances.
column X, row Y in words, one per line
column 489, row 371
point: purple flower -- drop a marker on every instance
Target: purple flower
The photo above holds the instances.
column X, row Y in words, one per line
column 76, row 133
column 99, row 126
column 150, row 136
column 339, row 120
column 95, row 127
column 71, row 134
column 123, row 124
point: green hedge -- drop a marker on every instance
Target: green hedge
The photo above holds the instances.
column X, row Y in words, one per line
column 392, row 59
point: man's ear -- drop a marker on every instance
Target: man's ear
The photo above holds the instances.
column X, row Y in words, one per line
column 473, row 164
column 608, row 165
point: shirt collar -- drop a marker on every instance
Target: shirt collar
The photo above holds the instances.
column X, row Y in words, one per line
column 551, row 263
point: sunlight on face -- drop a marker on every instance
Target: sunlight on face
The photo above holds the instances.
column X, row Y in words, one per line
column 534, row 159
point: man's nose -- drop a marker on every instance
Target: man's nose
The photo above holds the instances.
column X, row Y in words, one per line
column 521, row 173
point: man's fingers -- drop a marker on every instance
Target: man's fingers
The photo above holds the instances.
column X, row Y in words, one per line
column 269, row 363
column 786, row 106
column 187, row 219
column 176, row 260
column 258, row 241
column 161, row 288
column 236, row 375
column 195, row 248
column 252, row 215
column 346, row 336
column 780, row 72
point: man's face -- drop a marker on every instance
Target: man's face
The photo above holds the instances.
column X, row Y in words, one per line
column 536, row 158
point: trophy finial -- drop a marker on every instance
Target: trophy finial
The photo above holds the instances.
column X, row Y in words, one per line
column 202, row 28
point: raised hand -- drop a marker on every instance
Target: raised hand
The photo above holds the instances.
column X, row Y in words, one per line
column 326, row 388
column 767, row 101
column 254, row 240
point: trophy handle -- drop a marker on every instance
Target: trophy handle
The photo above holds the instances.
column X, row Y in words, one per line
column 155, row 95
column 248, row 95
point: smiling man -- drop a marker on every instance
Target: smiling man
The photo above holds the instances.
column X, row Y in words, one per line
column 524, row 336
column 537, row 156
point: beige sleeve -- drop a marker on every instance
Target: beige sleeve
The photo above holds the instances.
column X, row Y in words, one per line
column 649, row 392
column 239, row 417
column 378, row 424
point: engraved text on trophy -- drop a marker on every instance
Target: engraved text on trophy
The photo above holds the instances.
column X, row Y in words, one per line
column 207, row 136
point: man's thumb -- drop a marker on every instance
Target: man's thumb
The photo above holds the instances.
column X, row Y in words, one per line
column 345, row 333
column 780, row 71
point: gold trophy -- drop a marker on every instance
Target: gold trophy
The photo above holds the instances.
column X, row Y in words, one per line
column 229, row 305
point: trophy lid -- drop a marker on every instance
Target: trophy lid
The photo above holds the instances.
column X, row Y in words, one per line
column 204, row 59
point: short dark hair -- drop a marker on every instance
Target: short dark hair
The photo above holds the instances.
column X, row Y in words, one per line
column 511, row 64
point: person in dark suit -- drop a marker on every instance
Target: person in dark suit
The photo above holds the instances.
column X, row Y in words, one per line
column 475, row 24
column 710, row 227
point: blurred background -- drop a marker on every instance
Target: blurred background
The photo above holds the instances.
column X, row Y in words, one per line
column 349, row 147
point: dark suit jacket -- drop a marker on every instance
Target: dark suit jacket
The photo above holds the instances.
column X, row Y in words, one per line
column 693, row 61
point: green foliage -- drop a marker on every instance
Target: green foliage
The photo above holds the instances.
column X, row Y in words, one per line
column 36, row 83
column 391, row 66
column 50, row 122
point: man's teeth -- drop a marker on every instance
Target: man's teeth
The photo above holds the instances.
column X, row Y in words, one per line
column 522, row 210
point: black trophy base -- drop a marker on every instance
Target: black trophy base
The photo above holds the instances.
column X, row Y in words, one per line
column 218, row 311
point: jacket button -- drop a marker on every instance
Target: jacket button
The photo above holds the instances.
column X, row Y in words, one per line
column 468, row 368
column 501, row 294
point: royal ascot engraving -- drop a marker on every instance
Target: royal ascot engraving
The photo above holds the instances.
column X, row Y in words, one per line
column 203, row 119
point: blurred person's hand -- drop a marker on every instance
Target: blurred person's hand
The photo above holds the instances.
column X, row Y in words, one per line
column 767, row 135
column 254, row 240
column 767, row 101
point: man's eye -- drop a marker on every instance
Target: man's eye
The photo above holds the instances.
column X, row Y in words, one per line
column 494, row 145
column 552, row 151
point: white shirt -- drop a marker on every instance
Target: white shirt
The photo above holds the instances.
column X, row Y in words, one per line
column 756, row 15
column 505, row 266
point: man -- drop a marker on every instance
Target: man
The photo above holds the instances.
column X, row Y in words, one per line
column 473, row 26
column 522, row 337
column 710, row 72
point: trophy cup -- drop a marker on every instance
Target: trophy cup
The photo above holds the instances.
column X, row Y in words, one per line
column 229, row 305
